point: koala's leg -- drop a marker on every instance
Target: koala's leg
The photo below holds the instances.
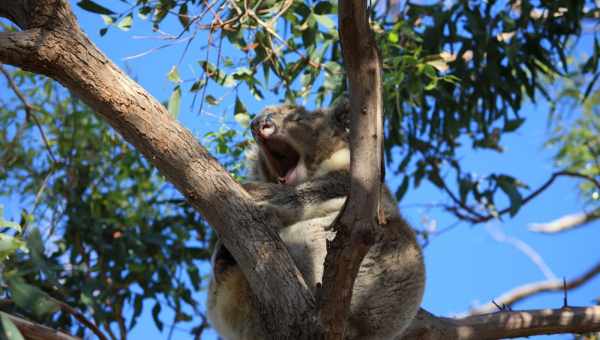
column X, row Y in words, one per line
column 389, row 286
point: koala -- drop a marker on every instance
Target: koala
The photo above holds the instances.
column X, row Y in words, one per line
column 299, row 169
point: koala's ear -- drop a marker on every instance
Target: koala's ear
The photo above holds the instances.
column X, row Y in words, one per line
column 341, row 113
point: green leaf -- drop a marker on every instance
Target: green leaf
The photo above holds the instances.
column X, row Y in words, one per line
column 509, row 186
column 173, row 75
column 323, row 7
column 175, row 102
column 326, row 21
column 239, row 106
column 10, row 244
column 211, row 100
column 513, row 124
column 126, row 23
column 8, row 224
column 30, row 298
column 155, row 312
column 183, row 16
column 108, row 20
column 9, row 330
column 92, row 6
column 243, row 119
column 393, row 37
column 464, row 186
column 402, row 188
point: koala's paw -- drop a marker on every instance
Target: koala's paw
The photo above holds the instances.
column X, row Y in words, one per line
column 259, row 191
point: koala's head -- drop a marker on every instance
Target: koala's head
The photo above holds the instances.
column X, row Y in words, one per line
column 294, row 144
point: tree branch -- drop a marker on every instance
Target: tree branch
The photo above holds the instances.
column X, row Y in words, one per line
column 566, row 222
column 29, row 114
column 525, row 291
column 471, row 215
column 356, row 226
column 55, row 46
column 34, row 331
column 501, row 325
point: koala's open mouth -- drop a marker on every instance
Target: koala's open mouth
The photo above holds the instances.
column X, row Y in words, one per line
column 281, row 158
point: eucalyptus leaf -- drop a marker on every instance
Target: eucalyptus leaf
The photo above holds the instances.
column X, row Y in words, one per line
column 175, row 102
column 9, row 330
column 94, row 7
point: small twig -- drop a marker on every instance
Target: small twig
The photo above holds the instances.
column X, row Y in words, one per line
column 284, row 7
column 274, row 34
column 81, row 318
column 565, row 301
column 28, row 109
column 566, row 222
column 525, row 291
column 475, row 218
column 500, row 308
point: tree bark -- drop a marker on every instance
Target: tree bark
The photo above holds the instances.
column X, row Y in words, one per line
column 505, row 324
column 52, row 44
column 357, row 225
column 34, row 331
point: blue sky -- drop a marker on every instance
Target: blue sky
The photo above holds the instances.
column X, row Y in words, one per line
column 465, row 266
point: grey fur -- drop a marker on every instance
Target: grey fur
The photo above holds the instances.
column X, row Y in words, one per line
column 389, row 286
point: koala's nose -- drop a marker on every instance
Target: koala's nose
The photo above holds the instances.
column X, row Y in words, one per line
column 263, row 126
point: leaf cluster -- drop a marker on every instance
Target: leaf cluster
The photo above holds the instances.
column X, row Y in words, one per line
column 116, row 236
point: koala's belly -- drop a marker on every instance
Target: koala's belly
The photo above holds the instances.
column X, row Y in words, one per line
column 306, row 243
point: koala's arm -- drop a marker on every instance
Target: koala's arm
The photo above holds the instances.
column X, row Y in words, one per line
column 309, row 199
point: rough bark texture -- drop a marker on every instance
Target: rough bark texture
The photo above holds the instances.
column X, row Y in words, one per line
column 503, row 325
column 357, row 226
column 33, row 331
column 52, row 44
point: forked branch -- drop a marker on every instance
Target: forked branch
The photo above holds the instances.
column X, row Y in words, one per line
column 502, row 325
column 521, row 293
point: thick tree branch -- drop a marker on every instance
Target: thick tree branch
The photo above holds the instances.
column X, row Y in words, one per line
column 520, row 293
column 55, row 46
column 502, row 325
column 356, row 226
column 34, row 331
column 566, row 222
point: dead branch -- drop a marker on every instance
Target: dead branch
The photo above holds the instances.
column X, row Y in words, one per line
column 567, row 222
column 525, row 291
column 502, row 325
column 498, row 235
column 356, row 226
